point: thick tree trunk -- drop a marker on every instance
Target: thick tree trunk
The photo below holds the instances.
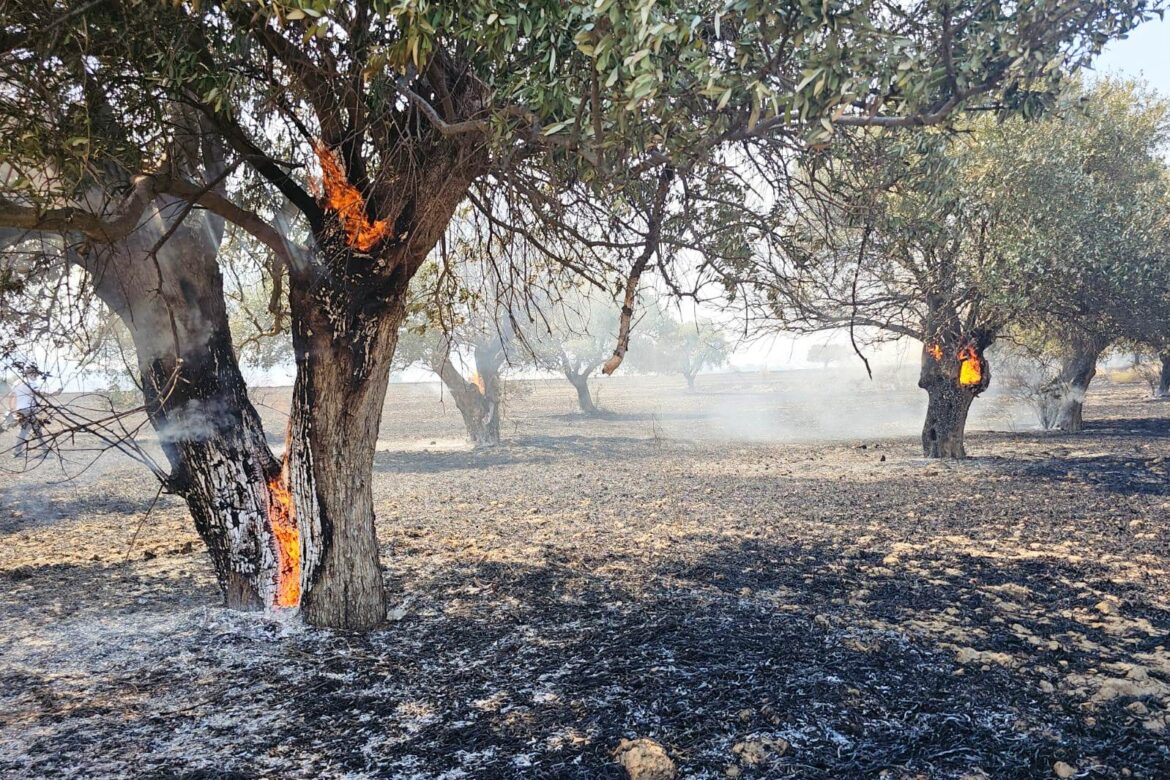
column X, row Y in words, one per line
column 344, row 348
column 170, row 299
column 953, row 372
column 946, row 421
column 1164, row 376
column 690, row 377
column 1068, row 390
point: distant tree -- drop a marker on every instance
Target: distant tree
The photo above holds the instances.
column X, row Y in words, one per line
column 828, row 354
column 574, row 338
column 665, row 345
column 465, row 326
column 1084, row 245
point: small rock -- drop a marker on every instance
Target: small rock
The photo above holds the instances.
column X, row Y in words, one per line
column 644, row 759
column 752, row 752
column 1063, row 770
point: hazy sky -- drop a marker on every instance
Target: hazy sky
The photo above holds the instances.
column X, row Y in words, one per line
column 1145, row 53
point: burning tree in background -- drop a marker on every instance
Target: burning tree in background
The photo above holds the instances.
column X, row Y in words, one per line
column 905, row 257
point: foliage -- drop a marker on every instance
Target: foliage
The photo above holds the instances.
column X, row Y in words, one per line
column 665, row 345
column 1086, row 198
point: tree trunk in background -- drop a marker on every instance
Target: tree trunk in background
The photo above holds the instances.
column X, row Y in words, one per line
column 690, row 377
column 478, row 403
column 344, row 342
column 1164, row 376
column 580, row 382
column 1077, row 371
column 953, row 372
column 171, row 301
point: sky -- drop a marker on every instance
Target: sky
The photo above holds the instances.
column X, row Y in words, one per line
column 1145, row 54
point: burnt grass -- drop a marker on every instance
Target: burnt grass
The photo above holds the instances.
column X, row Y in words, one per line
column 642, row 576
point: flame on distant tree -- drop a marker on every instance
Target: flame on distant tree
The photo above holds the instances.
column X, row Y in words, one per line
column 288, row 542
column 343, row 199
column 477, row 380
column 935, row 351
column 970, row 368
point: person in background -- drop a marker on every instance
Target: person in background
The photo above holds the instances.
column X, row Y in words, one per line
column 24, row 403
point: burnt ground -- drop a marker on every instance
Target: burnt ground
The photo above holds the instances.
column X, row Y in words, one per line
column 686, row 570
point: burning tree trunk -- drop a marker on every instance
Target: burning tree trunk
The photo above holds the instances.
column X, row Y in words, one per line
column 953, row 372
column 344, row 343
column 1066, row 393
column 170, row 298
column 478, row 398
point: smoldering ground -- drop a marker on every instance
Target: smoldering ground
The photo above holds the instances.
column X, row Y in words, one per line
column 760, row 609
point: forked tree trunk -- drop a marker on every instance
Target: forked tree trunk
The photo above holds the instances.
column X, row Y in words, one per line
column 578, row 373
column 1164, row 376
column 344, row 342
column 951, row 388
column 478, row 404
column 170, row 299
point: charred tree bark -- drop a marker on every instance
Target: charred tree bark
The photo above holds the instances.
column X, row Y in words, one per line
column 1070, row 387
column 946, row 420
column 954, row 371
column 170, row 299
column 345, row 329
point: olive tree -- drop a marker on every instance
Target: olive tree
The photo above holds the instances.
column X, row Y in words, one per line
column 374, row 122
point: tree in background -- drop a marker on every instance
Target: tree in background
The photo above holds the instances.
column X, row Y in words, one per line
column 449, row 330
column 574, row 339
column 665, row 345
column 1086, row 196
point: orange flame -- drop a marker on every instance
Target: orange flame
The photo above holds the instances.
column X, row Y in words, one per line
column 343, row 199
column 970, row 369
column 935, row 351
column 288, row 543
column 477, row 380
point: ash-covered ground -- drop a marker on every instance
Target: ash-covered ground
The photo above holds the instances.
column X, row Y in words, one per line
column 693, row 569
